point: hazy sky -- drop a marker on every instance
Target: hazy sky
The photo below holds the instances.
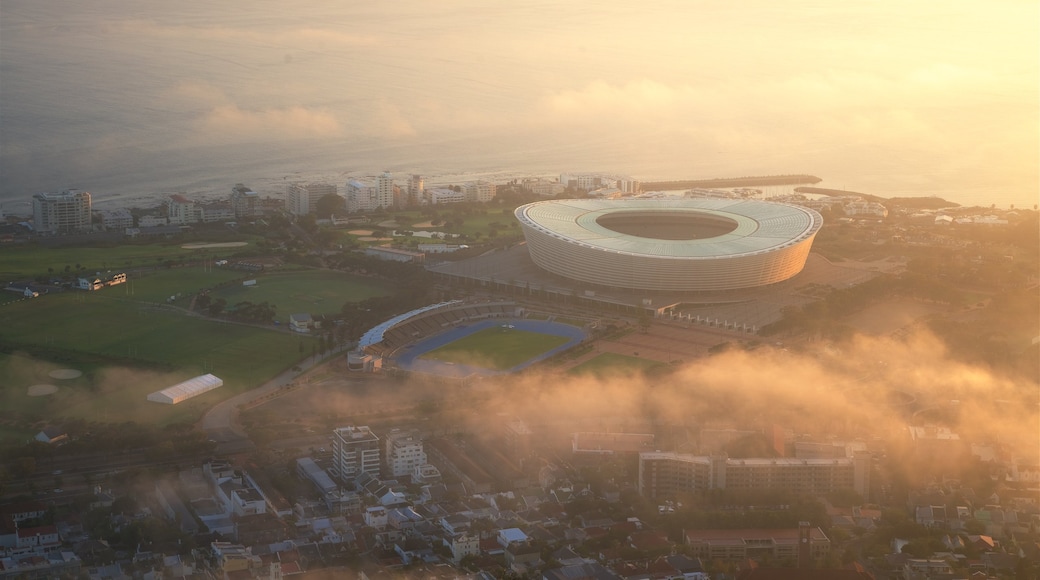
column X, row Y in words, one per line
column 887, row 97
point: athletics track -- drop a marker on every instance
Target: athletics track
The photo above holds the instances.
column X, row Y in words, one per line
column 407, row 358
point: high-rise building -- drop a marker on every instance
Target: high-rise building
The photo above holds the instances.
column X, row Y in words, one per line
column 245, row 202
column 180, row 210
column 415, row 190
column 354, row 450
column 385, row 190
column 404, row 452
column 303, row 199
column 68, row 211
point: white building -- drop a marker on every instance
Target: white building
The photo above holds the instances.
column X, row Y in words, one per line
column 354, row 450
column 404, row 453
column 68, row 211
column 180, row 210
column 394, row 254
column 303, row 199
column 116, row 219
column 480, row 191
column 438, row 195
column 543, row 187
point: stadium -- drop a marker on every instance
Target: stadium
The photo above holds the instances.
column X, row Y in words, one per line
column 684, row 245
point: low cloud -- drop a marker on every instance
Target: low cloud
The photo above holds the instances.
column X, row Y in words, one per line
column 232, row 123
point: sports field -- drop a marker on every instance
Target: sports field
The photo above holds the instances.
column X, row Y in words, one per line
column 310, row 291
column 488, row 347
column 611, row 364
column 498, row 348
column 95, row 332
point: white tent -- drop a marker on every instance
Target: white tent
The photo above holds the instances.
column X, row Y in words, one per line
column 186, row 390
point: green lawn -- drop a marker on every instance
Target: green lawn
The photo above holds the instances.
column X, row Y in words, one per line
column 607, row 364
column 95, row 333
column 496, row 348
column 31, row 261
column 310, row 291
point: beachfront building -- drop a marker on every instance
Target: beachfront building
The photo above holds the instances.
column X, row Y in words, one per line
column 415, row 190
column 303, row 199
column 482, row 191
column 245, row 202
column 370, row 194
column 59, row 213
column 180, row 210
column 441, row 195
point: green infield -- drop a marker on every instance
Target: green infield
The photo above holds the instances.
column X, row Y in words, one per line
column 496, row 348
column 310, row 291
column 126, row 350
column 610, row 364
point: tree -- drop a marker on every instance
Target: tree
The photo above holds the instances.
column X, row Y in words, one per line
column 329, row 205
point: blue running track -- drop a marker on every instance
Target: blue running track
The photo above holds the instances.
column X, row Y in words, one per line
column 408, row 357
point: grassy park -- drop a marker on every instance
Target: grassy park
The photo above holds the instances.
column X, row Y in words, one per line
column 126, row 350
column 496, row 348
column 311, row 291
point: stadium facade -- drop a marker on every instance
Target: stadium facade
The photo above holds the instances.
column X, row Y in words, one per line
column 669, row 244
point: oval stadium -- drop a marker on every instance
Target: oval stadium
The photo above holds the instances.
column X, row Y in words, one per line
column 669, row 244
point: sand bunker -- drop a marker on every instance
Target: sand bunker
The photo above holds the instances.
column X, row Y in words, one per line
column 41, row 390
column 65, row 374
column 360, row 232
column 425, row 224
column 220, row 245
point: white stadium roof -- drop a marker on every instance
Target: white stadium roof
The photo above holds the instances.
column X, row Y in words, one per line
column 669, row 244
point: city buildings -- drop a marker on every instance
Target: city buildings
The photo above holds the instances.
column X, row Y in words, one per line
column 59, row 213
column 354, row 450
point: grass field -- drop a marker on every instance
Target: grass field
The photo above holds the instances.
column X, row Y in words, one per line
column 496, row 348
column 87, row 329
column 311, row 291
column 610, row 364
column 31, row 261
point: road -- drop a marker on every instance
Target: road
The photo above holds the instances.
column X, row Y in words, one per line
column 221, row 421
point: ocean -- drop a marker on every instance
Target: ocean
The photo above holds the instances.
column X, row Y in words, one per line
column 131, row 101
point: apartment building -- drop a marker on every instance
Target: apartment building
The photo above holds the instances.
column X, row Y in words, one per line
column 58, row 213
column 354, row 450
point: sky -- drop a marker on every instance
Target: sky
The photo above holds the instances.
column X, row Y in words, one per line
column 886, row 97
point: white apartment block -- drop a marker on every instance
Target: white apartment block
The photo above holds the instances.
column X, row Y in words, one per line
column 303, row 199
column 68, row 211
column 404, row 453
column 116, row 219
column 439, row 195
column 370, row 194
column 354, row 450
column 481, row 191
column 180, row 210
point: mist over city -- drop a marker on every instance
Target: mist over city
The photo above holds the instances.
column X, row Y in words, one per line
column 552, row 291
